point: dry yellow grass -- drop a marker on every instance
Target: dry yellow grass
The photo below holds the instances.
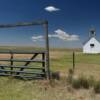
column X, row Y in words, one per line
column 61, row 60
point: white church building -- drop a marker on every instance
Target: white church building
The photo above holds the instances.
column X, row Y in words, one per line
column 92, row 45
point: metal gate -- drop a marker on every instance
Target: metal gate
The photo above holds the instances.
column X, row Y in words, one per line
column 27, row 71
column 24, row 71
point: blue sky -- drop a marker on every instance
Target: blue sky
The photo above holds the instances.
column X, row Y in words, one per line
column 74, row 17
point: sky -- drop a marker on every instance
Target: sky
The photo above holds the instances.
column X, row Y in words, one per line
column 69, row 21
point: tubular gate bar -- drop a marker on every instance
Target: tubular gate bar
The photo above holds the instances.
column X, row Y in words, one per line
column 20, row 71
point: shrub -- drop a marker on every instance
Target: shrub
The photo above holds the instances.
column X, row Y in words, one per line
column 76, row 83
column 56, row 75
column 91, row 81
column 97, row 87
column 84, row 82
column 80, row 83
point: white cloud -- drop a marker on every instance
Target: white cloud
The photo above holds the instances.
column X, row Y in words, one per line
column 60, row 34
column 52, row 35
column 51, row 9
column 36, row 38
column 66, row 36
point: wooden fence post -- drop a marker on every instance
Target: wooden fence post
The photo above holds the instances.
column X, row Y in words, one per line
column 47, row 51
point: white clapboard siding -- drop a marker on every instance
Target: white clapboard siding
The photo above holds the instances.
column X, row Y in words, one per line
column 91, row 49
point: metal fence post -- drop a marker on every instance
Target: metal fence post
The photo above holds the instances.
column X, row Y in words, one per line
column 73, row 61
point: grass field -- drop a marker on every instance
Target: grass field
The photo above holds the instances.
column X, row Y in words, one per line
column 60, row 60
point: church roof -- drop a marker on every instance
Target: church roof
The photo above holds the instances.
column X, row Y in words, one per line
column 89, row 39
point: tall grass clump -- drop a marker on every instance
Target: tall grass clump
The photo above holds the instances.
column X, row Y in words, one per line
column 76, row 83
column 70, row 76
column 91, row 81
column 84, row 82
column 97, row 87
column 81, row 82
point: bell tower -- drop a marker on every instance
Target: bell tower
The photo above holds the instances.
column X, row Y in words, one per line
column 92, row 32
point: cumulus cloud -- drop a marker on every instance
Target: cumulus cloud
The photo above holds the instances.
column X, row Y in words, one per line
column 60, row 34
column 66, row 36
column 36, row 38
column 51, row 9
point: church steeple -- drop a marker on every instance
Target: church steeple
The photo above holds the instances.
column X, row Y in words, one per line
column 92, row 32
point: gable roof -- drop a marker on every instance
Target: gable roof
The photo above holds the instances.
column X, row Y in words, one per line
column 89, row 39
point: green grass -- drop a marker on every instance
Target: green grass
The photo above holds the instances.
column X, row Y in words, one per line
column 88, row 58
